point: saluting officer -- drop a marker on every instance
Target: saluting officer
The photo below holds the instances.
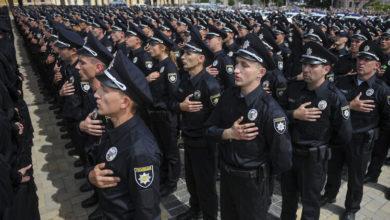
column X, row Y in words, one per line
column 368, row 99
column 254, row 140
column 319, row 118
column 127, row 174
column 163, row 84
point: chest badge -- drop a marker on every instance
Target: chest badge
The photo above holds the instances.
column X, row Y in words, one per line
column 322, row 105
column 162, row 69
column 252, row 114
column 149, row 64
column 369, row 92
column 280, row 65
column 229, row 69
column 230, row 54
column 111, row 154
column 144, row 176
column 197, row 95
column 215, row 63
column 85, row 86
column 280, row 125
column 135, row 59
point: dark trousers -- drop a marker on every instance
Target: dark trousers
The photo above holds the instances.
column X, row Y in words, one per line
column 199, row 164
column 356, row 155
column 164, row 128
column 379, row 154
column 306, row 179
column 244, row 198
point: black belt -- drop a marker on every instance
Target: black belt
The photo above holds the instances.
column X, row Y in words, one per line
column 319, row 153
column 261, row 172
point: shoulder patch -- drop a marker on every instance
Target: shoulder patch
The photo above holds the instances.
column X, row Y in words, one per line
column 144, row 176
column 215, row 98
column 172, row 77
column 280, row 125
column 345, row 111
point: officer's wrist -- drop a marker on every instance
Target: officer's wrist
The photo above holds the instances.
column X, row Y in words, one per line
column 227, row 134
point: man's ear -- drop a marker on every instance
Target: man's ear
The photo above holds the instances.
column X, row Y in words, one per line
column 262, row 71
column 100, row 67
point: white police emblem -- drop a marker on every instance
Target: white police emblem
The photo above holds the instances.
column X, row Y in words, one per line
column 246, row 44
column 280, row 65
column 366, row 48
column 109, row 49
column 280, row 125
column 162, row 69
column 197, row 95
column 309, row 51
column 144, row 176
column 215, row 63
column 149, row 64
column 252, row 114
column 369, row 92
column 230, row 54
column 345, row 112
column 85, row 86
column 111, row 154
column 215, row 99
column 172, row 77
column 135, row 59
column 322, row 104
column 229, row 69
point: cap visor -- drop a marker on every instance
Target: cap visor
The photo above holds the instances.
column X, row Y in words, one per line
column 107, row 81
column 307, row 60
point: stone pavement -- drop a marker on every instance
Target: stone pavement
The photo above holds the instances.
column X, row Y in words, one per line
column 58, row 191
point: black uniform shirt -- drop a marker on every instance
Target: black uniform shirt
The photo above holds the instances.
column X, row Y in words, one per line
column 204, row 88
column 271, row 145
column 374, row 89
column 130, row 150
column 345, row 64
column 225, row 66
column 334, row 124
column 142, row 60
column 164, row 87
column 107, row 43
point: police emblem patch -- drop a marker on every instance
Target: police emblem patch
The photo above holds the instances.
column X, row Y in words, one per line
column 215, row 99
column 172, row 77
column 111, row 154
column 135, row 59
column 280, row 125
column 197, row 95
column 230, row 54
column 144, row 176
column 252, row 114
column 109, row 49
column 322, row 104
column 280, row 65
column 149, row 64
column 229, row 69
column 369, row 92
column 366, row 48
column 309, row 51
column 345, row 112
column 85, row 86
column 215, row 63
column 162, row 69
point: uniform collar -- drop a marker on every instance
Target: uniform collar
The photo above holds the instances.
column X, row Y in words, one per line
column 138, row 50
column 123, row 130
column 198, row 77
column 370, row 81
column 252, row 96
column 219, row 53
column 321, row 90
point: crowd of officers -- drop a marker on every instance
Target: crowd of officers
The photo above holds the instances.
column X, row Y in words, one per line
column 251, row 100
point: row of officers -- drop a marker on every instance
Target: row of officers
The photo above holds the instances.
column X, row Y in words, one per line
column 126, row 93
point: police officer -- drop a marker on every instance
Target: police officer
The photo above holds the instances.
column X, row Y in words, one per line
column 222, row 66
column 339, row 47
column 370, row 110
column 198, row 94
column 118, row 37
column 319, row 117
column 93, row 60
column 127, row 173
column 163, row 84
column 99, row 30
column 137, row 54
column 254, row 141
